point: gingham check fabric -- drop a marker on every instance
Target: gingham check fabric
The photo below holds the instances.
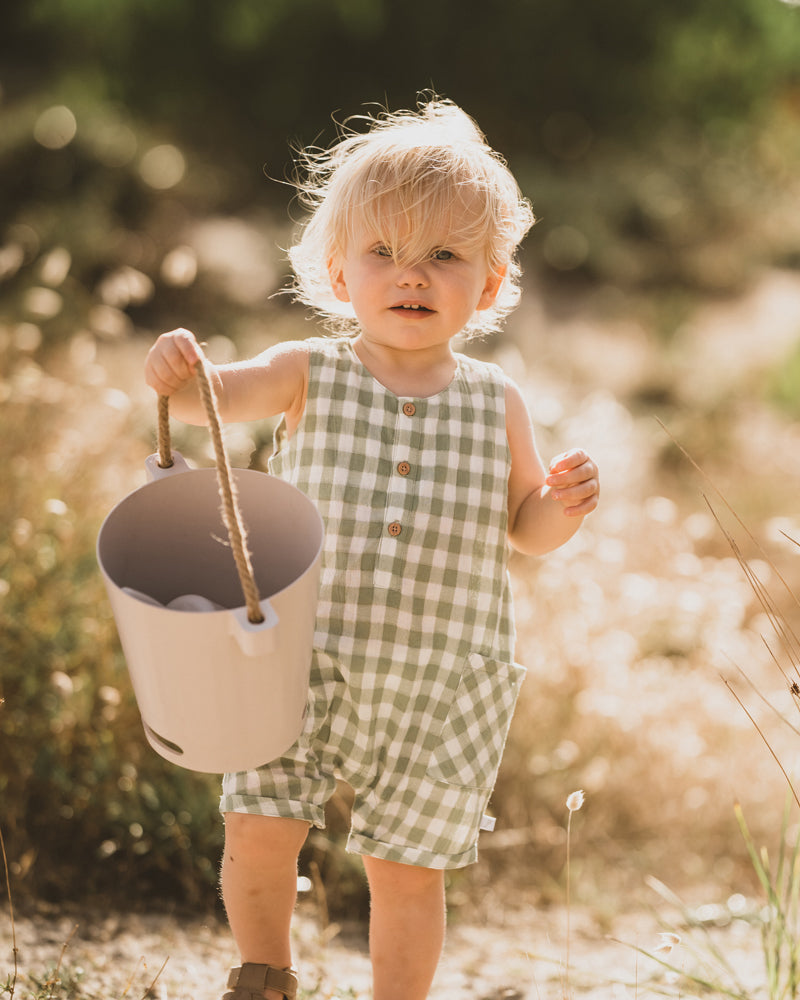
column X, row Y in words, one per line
column 413, row 684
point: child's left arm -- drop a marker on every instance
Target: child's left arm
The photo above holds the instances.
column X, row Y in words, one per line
column 545, row 506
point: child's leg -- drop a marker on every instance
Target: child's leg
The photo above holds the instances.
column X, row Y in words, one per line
column 406, row 928
column 259, row 885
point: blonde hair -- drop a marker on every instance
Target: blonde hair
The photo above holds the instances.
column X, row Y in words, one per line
column 410, row 175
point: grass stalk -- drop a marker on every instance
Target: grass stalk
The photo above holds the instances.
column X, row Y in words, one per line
column 55, row 977
column 15, row 951
column 780, row 881
column 768, row 745
column 780, row 929
column 149, row 992
column 698, row 468
column 709, row 950
column 574, row 802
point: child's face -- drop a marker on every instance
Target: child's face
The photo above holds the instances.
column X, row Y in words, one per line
column 413, row 306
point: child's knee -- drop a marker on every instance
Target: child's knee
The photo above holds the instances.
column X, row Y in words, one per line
column 251, row 837
column 394, row 877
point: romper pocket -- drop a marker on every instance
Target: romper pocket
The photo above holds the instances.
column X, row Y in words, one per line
column 474, row 733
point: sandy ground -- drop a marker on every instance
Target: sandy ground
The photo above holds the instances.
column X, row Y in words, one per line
column 522, row 955
column 112, row 955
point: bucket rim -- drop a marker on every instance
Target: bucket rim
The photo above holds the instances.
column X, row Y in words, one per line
column 206, row 472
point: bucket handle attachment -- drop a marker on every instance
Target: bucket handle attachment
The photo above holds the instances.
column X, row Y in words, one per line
column 231, row 513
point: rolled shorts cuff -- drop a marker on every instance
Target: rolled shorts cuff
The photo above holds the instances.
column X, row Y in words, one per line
column 256, row 805
column 410, row 855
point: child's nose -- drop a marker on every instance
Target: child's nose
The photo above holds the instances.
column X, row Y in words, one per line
column 412, row 276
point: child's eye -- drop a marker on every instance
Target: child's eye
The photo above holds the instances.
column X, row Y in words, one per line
column 382, row 251
column 443, row 255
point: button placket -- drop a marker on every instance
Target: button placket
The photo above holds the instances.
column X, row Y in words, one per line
column 400, row 500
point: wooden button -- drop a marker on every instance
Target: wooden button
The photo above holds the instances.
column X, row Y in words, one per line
column 395, row 528
column 409, row 409
column 404, row 468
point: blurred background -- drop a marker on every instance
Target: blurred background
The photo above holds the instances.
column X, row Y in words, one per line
column 145, row 148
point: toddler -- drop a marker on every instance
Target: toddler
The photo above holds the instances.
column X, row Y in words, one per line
column 423, row 465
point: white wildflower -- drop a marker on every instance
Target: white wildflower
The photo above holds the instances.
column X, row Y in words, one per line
column 666, row 942
column 575, row 801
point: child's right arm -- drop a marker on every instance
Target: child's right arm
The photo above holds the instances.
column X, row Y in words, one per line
column 273, row 382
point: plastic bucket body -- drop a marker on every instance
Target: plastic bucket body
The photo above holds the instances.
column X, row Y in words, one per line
column 215, row 691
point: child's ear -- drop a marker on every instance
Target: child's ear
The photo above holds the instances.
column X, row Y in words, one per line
column 336, row 274
column 492, row 288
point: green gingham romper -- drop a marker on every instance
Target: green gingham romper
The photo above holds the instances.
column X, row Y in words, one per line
column 413, row 683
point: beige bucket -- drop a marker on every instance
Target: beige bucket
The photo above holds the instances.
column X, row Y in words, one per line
column 217, row 691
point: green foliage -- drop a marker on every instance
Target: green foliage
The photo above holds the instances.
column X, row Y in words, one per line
column 86, row 804
column 262, row 71
column 650, row 140
column 56, row 983
column 780, row 920
column 723, row 59
column 712, row 969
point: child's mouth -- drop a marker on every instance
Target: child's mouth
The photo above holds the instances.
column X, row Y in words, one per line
column 412, row 308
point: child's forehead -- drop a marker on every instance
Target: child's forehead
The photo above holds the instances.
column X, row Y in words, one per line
column 401, row 229
column 457, row 218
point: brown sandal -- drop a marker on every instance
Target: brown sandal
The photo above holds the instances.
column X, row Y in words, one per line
column 249, row 981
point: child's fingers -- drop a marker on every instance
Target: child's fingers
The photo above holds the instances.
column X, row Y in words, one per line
column 568, row 460
column 579, row 499
column 171, row 361
column 583, row 508
column 570, row 468
column 575, row 483
column 182, row 350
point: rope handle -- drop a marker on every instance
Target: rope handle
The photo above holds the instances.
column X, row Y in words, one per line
column 231, row 513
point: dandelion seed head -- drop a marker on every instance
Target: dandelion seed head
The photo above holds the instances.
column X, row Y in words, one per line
column 575, row 801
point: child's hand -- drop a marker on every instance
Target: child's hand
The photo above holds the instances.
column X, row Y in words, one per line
column 574, row 482
column 170, row 365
